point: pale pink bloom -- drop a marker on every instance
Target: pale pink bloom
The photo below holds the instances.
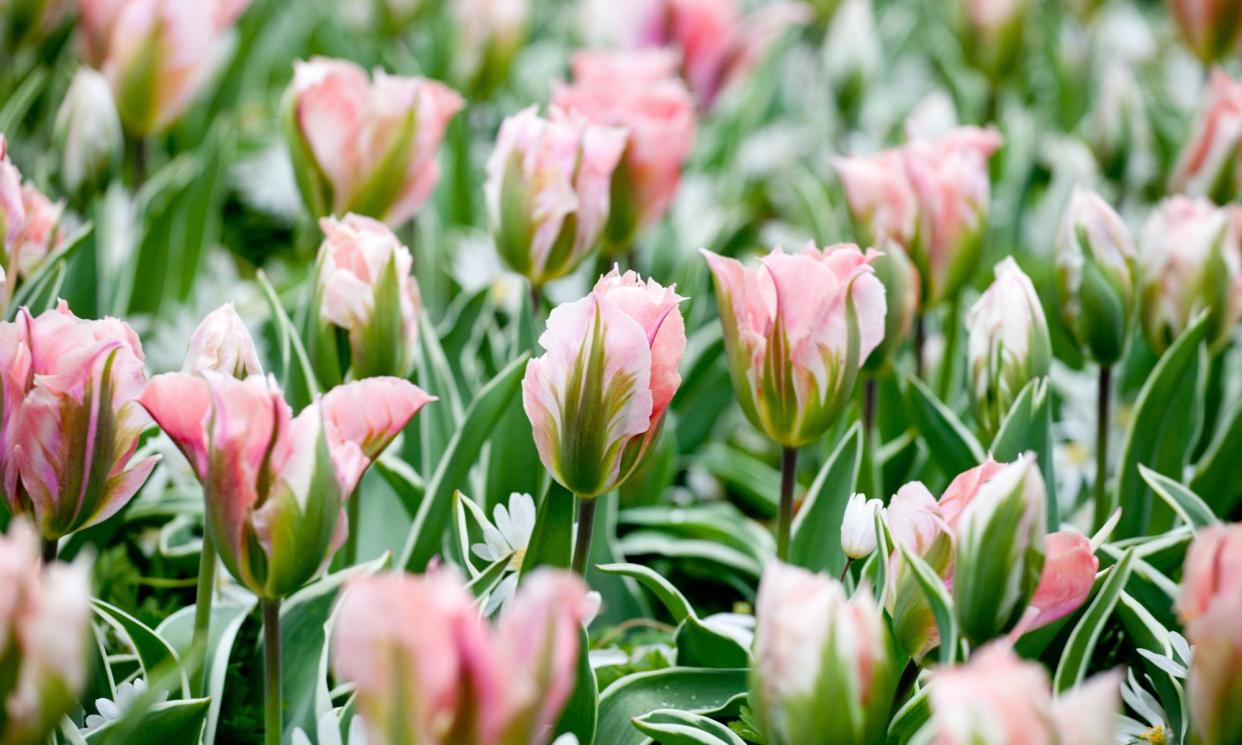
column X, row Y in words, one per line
column 858, row 526
column 962, row 491
column 1085, row 715
column 275, row 482
column 1211, row 159
column 990, row 16
column 1216, row 639
column 881, row 201
column 71, row 421
column 1070, row 566
column 40, row 234
column 222, row 343
column 489, row 35
column 1211, row 28
column 366, row 145
column 914, row 517
column 97, row 20
column 12, row 210
column 1212, row 572
column 597, row 397
column 788, row 337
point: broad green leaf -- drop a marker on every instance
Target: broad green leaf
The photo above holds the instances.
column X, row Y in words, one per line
column 694, row 690
column 623, row 600
column 161, row 724
column 668, row 595
column 1028, row 427
column 296, row 371
column 1189, row 506
column 552, row 540
column 34, row 289
column 404, row 480
column 816, row 540
column 485, row 581
column 1081, row 645
column 706, row 553
column 674, row 727
column 751, row 481
column 512, row 461
column 951, row 444
column 153, row 651
column 940, row 601
column 19, row 101
column 438, row 422
column 1218, row 474
column 910, row 718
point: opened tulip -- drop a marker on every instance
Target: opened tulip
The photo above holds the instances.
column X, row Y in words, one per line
column 992, row 34
column 882, row 203
column 365, row 145
column 824, row 669
column 365, row 288
column 223, row 344
column 1190, row 259
column 275, row 484
column 70, row 418
column 88, row 132
column 640, row 93
column 45, row 620
column 1211, row 161
column 548, row 191
column 1209, row 605
column 1008, row 343
column 29, row 221
column 1211, row 28
column 858, row 526
column 429, row 670
column 489, row 34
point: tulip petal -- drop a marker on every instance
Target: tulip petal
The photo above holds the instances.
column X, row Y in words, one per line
column 1068, row 575
column 180, row 403
column 363, row 417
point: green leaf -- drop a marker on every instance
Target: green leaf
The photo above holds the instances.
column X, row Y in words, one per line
column 674, row 727
column 154, row 653
column 1072, row 668
column 294, row 364
column 581, row 713
column 754, row 483
column 940, row 601
column 1189, row 506
column 436, row 377
column 552, row 540
column 35, row 289
column 668, row 595
column 816, row 540
column 694, row 690
column 169, row 722
column 485, row 581
column 1028, row 428
column 404, row 481
column 1218, row 474
column 910, row 718
column 951, row 444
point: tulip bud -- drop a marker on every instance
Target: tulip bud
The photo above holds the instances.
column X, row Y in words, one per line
column 365, row 146
column 70, row 419
column 365, row 287
column 1190, row 259
column 222, row 344
column 45, row 615
column 858, row 526
column 797, row 329
column 429, row 670
column 1118, row 129
column 1095, row 276
column 992, row 34
column 597, row 397
column 824, row 671
column 1212, row 571
column 901, row 291
column 916, row 522
column 640, row 93
column 1210, row 28
column 548, row 183
column 1209, row 163
column 881, row 202
column 275, row 484
column 999, row 552
column 1008, row 343
column 1209, row 605
column 489, row 35
column 88, row 132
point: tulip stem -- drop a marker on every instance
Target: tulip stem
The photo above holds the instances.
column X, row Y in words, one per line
column 202, row 607
column 920, row 336
column 352, row 510
column 582, row 545
column 784, row 518
column 271, row 672
column 49, row 550
column 1103, row 401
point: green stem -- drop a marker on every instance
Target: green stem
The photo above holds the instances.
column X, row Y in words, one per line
column 582, row 545
column 784, row 518
column 202, row 607
column 49, row 550
column 353, row 509
column 1103, row 402
column 951, row 337
column 271, row 672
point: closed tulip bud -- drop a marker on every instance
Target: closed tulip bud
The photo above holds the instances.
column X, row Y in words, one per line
column 1209, row 605
column 992, row 34
column 797, row 328
column 824, row 671
column 548, row 191
column 639, row 92
column 274, row 484
column 45, row 617
column 1210, row 28
column 901, row 291
column 365, row 145
column 1008, row 343
column 365, row 287
column 882, row 204
column 596, row 399
column 223, row 344
column 999, row 553
column 858, row 526
column 1209, row 165
column 429, row 670
column 489, row 35
column 1190, row 259
column 88, row 132
column 71, row 421
column 1095, row 276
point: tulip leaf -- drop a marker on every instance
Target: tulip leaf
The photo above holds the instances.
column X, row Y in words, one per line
column 581, row 712
column 438, row 422
column 1082, row 640
column 700, row 644
column 168, row 722
column 1028, row 428
column 668, row 594
column 1163, row 428
column 36, row 290
column 460, row 455
column 695, row 690
column 485, row 581
column 1189, row 506
column 721, row 522
column 18, row 103
column 940, row 601
column 552, row 540
column 707, row 553
column 297, row 374
column 749, row 480
column 403, row 480
column 1218, row 474
column 512, row 460
column 674, row 727
column 154, row 653
column 951, row 444
column 816, row 541
column 910, row 718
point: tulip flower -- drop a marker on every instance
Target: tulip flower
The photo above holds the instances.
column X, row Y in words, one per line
column 992, row 34
column 45, row 619
column 1209, row 605
column 881, row 201
column 365, row 288
column 365, row 146
column 640, row 93
column 88, row 132
column 858, row 526
column 223, row 344
column 429, row 670
column 1212, row 572
column 1070, row 566
column 29, row 221
column 824, row 669
column 12, row 213
column 70, row 419
column 1189, row 259
column 548, row 191
column 1209, row 165
column 489, row 34
column 1211, row 28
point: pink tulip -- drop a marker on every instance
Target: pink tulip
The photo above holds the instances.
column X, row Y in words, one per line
column 1211, row 28
column 365, row 146
column 1209, row 163
column 97, row 20
column 12, row 210
column 793, row 354
column 992, row 33
column 1213, row 571
column 640, row 93
column 222, row 344
column 29, row 221
column 597, row 397
column 429, row 669
column 71, row 422
column 915, row 518
column 548, row 191
column 882, row 203
column 489, row 35
column 1070, row 566
column 275, row 484
column 1209, row 605
column 367, row 289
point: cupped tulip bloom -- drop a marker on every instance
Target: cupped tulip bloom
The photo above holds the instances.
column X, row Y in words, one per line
column 797, row 328
column 637, row 91
column 223, row 344
column 274, row 484
column 365, row 145
column 1210, row 28
column 881, row 201
column 71, row 420
column 45, row 620
column 365, row 287
column 858, row 526
column 88, row 132
column 97, row 21
column 1210, row 164
column 1095, row 276
column 992, row 33
column 548, row 191
column 489, row 34
column 429, row 670
column 824, row 669
column 1209, row 605
column 596, row 399
column 40, row 234
column 1190, row 259
column 1212, row 571
column 1008, row 343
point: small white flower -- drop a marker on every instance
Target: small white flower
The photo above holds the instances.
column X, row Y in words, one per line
column 110, row 710
column 329, row 732
column 508, row 536
column 858, row 526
